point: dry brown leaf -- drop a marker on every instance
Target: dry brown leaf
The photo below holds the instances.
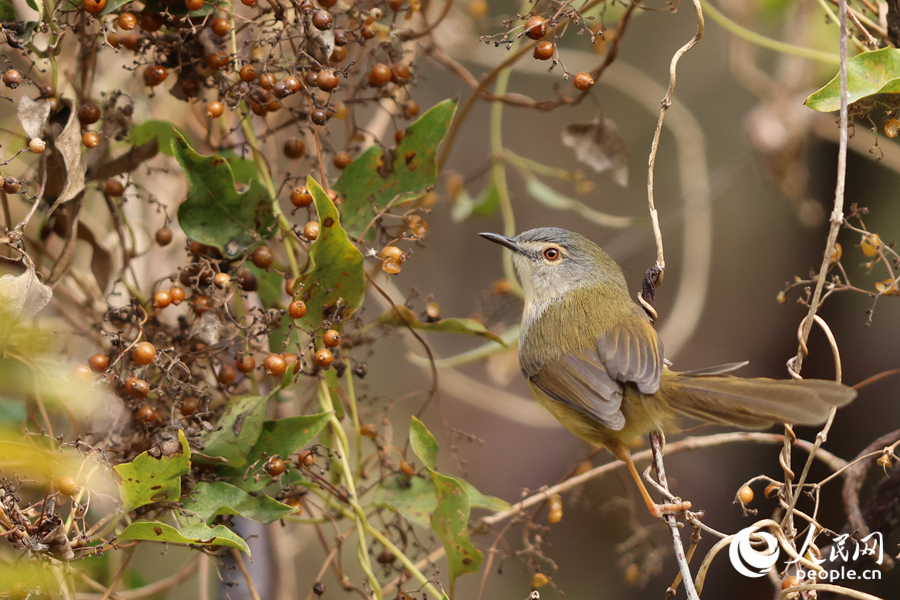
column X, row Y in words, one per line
column 599, row 146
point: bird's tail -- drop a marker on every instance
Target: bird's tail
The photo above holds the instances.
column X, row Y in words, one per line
column 755, row 403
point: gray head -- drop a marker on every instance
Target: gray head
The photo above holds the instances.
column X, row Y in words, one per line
column 551, row 262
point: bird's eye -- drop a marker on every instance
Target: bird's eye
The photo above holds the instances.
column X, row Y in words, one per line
column 551, row 254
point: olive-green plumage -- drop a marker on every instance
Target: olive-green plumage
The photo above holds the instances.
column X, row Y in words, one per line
column 594, row 359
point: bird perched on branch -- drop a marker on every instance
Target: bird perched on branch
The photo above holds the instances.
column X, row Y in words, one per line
column 591, row 355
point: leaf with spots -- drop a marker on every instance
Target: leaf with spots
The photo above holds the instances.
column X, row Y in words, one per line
column 423, row 442
column 154, row 475
column 214, row 212
column 282, row 437
column 211, row 499
column 868, row 74
column 238, row 430
column 403, row 316
column 198, row 534
column 336, row 273
column 376, row 177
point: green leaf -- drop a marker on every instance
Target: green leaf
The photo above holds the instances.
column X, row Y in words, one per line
column 483, row 207
column 163, row 131
column 423, row 443
column 243, row 169
column 282, row 437
column 37, row 5
column 868, row 73
column 112, row 6
column 451, row 522
column 220, row 498
column 336, row 266
column 271, row 285
column 179, row 8
column 377, row 177
column 402, row 316
column 7, row 11
column 197, row 534
column 549, row 197
column 414, row 498
column 238, row 430
column 154, row 476
column 214, row 212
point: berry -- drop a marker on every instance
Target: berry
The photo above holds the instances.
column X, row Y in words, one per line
column 12, row 79
column 221, row 280
column 341, row 38
column 297, row 309
column 267, row 81
column 145, row 414
column 113, row 187
column 193, row 5
column 400, row 73
column 789, row 582
column 67, row 485
column 399, row 135
column 88, row 113
column 221, row 26
column 583, row 81
column 338, row 55
column 37, row 146
column 127, row 21
column 340, row 111
column 191, row 87
column 177, row 295
column 291, row 359
column 555, row 516
column 390, row 266
column 164, row 236
column 90, row 139
column 870, row 244
column 392, row 253
column 331, row 338
column 745, row 495
column 83, row 372
column 19, row 591
column 217, row 61
column 319, row 116
column 145, row 353
column 379, row 75
column 275, row 364
column 162, row 298
column 411, row 107
column 395, row 5
column 407, row 468
column 367, row 32
column 227, row 375
column 539, row 580
column 311, row 231
column 322, row 20
column 151, row 21
column 327, row 80
column 891, row 127
column 318, row 588
column 290, row 286
column 275, row 466
column 262, row 257
column 544, row 51
column 293, row 84
column 306, row 458
column 368, row 430
column 417, row 225
column 94, row 6
column 536, row 28
column 214, row 109
column 294, row 148
column 98, row 362
column 247, row 281
column 245, row 364
column 247, row 73
column 189, row 406
column 323, row 358
column 155, row 75
column 138, row 388
column 300, row 197
column 342, row 160
column 11, row 185
column 200, row 304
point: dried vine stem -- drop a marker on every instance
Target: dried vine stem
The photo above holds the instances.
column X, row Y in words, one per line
column 666, row 102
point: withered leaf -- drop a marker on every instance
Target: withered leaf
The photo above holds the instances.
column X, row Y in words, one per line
column 599, row 146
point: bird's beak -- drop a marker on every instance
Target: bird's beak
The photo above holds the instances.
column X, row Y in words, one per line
column 502, row 240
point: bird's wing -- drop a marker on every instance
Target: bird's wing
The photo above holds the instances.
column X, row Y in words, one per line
column 593, row 381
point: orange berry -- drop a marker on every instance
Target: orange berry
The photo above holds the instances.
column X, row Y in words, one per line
column 323, row 358
column 583, row 81
column 297, row 309
column 145, row 353
column 98, row 362
column 275, row 365
column 67, row 485
column 331, row 338
column 745, row 495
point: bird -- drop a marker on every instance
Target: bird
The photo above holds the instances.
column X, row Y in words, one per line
column 592, row 357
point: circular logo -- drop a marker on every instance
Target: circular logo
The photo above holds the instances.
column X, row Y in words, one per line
column 746, row 560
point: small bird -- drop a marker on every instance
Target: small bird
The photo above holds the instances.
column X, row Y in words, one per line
column 591, row 355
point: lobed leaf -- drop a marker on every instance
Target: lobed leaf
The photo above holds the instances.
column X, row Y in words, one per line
column 377, row 177
column 155, row 475
column 238, row 430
